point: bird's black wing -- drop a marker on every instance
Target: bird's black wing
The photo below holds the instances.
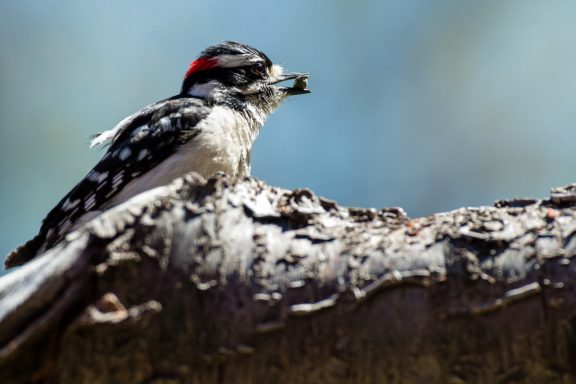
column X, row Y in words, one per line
column 140, row 143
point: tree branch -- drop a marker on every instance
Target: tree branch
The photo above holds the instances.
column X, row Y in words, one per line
column 239, row 282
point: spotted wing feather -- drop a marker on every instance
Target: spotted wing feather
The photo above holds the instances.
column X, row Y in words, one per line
column 140, row 143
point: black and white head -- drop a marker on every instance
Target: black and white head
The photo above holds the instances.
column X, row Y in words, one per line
column 232, row 73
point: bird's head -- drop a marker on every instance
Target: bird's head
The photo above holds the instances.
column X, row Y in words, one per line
column 233, row 73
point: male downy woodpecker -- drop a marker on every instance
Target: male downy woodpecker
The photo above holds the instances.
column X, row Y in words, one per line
column 226, row 95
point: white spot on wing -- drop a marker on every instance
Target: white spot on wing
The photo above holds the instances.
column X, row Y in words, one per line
column 125, row 153
column 165, row 123
column 93, row 176
column 90, row 202
column 117, row 180
column 64, row 226
column 140, row 132
column 68, row 205
column 97, row 177
column 103, row 177
column 142, row 154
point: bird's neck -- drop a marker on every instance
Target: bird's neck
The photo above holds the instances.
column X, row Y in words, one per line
column 214, row 93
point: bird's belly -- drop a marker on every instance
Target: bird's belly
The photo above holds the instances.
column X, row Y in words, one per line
column 202, row 156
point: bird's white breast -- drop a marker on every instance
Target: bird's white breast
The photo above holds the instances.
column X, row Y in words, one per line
column 223, row 144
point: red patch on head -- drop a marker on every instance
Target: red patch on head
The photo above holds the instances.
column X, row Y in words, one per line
column 201, row 64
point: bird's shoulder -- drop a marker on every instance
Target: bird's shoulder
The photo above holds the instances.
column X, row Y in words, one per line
column 181, row 111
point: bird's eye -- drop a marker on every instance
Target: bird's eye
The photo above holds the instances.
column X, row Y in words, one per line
column 258, row 69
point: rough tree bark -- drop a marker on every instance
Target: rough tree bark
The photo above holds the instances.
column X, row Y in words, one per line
column 224, row 281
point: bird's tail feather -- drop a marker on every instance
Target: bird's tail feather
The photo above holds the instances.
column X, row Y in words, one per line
column 24, row 252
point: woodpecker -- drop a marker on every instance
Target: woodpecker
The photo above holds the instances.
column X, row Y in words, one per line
column 209, row 127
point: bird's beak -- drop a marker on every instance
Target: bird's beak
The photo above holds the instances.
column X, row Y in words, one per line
column 299, row 87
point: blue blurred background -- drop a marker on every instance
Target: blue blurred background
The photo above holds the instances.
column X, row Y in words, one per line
column 428, row 105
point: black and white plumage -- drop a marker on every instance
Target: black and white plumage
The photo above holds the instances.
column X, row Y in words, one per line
column 209, row 127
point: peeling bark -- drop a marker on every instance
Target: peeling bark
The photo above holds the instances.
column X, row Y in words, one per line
column 225, row 281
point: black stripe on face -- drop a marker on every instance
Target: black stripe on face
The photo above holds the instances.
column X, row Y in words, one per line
column 237, row 77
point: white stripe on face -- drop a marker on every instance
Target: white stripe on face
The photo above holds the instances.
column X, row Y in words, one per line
column 233, row 61
column 208, row 89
